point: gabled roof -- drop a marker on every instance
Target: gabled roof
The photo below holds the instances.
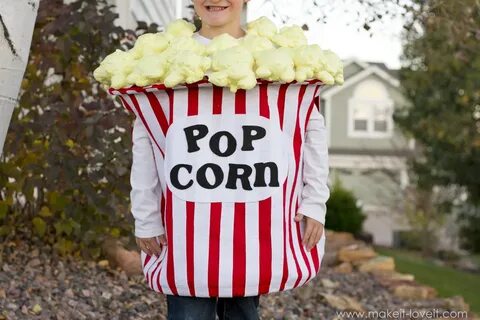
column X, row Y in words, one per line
column 366, row 68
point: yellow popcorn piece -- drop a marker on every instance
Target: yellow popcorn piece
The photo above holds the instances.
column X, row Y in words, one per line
column 334, row 67
column 115, row 68
column 186, row 66
column 263, row 27
column 185, row 44
column 149, row 43
column 308, row 62
column 149, row 69
column 221, row 42
column 275, row 65
column 233, row 68
column 290, row 37
column 180, row 28
column 254, row 43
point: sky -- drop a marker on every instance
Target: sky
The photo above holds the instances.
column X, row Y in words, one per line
column 343, row 39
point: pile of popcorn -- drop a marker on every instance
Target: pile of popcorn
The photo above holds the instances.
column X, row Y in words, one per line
column 174, row 57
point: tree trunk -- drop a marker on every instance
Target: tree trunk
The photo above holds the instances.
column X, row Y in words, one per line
column 17, row 20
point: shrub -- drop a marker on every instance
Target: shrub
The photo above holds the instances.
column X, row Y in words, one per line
column 64, row 171
column 343, row 213
column 469, row 221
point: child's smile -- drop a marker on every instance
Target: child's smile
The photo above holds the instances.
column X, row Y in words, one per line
column 216, row 8
column 216, row 11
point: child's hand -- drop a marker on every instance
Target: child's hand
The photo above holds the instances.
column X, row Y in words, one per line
column 150, row 245
column 313, row 231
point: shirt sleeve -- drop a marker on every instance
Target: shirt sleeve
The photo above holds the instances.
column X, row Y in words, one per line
column 146, row 189
column 315, row 169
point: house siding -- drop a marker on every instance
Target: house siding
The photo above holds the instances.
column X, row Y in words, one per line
column 339, row 123
column 351, row 69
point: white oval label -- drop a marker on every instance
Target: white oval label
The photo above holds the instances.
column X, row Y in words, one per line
column 225, row 158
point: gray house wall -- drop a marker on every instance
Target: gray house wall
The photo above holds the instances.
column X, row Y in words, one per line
column 339, row 123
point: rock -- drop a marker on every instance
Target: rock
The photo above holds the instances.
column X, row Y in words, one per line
column 343, row 302
column 336, row 240
column 329, row 284
column 106, row 295
column 304, row 293
column 86, row 292
column 456, row 303
column 37, row 309
column 466, row 264
column 414, row 291
column 103, row 263
column 380, row 263
column 329, row 259
column 12, row 306
column 355, row 252
column 69, row 293
column 344, row 267
column 389, row 278
column 34, row 263
column 25, row 309
column 127, row 260
column 401, row 276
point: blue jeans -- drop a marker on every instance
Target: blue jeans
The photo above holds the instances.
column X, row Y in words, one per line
column 199, row 308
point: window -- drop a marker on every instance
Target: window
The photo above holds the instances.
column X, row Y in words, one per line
column 380, row 118
column 370, row 111
column 361, row 114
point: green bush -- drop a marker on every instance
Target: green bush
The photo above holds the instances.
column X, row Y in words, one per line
column 343, row 214
column 469, row 221
column 410, row 239
column 64, row 172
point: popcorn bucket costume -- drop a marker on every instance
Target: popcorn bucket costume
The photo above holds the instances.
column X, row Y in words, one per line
column 229, row 160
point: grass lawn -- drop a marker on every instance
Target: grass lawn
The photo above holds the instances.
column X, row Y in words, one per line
column 448, row 281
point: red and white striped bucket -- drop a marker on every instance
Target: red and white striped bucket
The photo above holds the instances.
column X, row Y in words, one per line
column 230, row 166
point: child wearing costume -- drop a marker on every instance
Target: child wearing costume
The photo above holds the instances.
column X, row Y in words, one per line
column 314, row 196
column 228, row 186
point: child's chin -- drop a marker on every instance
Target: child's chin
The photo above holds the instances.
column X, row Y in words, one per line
column 217, row 21
column 218, row 18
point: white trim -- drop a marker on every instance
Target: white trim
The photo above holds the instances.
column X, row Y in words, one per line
column 328, row 114
column 404, row 179
column 367, row 162
column 360, row 76
column 411, row 143
column 178, row 9
column 362, row 64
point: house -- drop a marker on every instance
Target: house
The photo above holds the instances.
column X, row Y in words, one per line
column 366, row 151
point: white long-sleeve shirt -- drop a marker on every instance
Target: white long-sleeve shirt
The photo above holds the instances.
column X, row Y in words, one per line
column 146, row 191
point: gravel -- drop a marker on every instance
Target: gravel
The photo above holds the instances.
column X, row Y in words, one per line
column 37, row 284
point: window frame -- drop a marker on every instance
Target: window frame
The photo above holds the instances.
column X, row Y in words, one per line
column 370, row 132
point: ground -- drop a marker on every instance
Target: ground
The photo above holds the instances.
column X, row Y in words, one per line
column 37, row 284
